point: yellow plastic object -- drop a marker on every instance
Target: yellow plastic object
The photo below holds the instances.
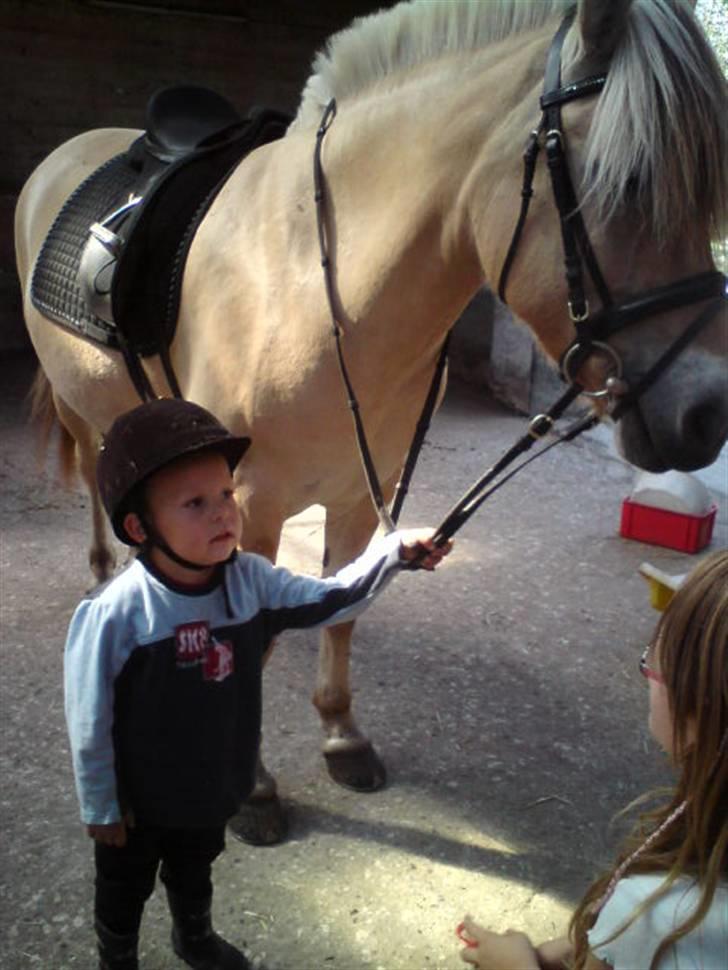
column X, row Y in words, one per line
column 662, row 585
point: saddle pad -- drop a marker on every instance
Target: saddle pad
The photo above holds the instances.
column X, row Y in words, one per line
column 147, row 281
column 55, row 290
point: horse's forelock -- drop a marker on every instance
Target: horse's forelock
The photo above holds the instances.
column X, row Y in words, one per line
column 659, row 137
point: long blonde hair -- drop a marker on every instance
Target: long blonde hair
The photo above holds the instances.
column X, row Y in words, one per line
column 692, row 638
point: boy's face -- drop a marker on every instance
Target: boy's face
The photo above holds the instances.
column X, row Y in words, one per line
column 192, row 505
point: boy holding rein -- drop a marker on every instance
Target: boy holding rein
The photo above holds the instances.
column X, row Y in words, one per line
column 163, row 670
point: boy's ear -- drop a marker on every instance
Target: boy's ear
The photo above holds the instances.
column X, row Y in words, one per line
column 134, row 528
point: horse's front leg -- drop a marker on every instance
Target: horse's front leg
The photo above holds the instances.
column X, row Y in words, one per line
column 350, row 758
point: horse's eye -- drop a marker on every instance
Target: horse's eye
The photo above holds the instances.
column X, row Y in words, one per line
column 632, row 188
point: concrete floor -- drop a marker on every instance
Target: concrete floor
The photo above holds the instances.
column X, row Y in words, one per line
column 502, row 693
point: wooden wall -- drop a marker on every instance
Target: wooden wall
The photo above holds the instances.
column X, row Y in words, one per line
column 71, row 65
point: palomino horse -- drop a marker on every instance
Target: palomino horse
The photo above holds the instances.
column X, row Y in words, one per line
column 423, row 172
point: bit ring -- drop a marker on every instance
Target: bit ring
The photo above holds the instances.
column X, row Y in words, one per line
column 606, row 351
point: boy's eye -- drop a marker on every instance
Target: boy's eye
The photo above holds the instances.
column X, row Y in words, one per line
column 193, row 503
column 228, row 493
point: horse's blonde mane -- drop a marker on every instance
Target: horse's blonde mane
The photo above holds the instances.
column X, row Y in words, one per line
column 413, row 32
column 659, row 137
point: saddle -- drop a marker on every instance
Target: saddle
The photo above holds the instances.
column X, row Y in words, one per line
column 111, row 266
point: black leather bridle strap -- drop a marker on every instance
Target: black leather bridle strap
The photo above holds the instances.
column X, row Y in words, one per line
column 672, row 296
column 387, row 517
column 575, row 238
column 486, row 485
column 663, row 362
column 365, row 454
column 423, row 425
column 530, row 157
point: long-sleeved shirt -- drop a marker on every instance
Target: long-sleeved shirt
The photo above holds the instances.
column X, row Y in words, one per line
column 163, row 684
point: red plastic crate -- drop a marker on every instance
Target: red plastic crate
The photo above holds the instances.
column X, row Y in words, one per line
column 688, row 533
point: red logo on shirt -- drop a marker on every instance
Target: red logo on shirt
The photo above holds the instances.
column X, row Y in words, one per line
column 195, row 646
column 218, row 660
column 192, row 640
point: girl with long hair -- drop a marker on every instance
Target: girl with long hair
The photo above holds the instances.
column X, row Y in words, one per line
column 664, row 903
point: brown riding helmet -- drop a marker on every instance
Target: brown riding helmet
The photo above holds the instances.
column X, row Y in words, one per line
column 147, row 438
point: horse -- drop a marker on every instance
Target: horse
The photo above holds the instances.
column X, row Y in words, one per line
column 422, row 164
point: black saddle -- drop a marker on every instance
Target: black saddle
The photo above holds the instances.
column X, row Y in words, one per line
column 111, row 266
column 184, row 118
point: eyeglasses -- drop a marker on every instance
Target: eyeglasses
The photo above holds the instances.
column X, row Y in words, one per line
column 645, row 668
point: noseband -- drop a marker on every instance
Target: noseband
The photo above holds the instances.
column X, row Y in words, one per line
column 593, row 330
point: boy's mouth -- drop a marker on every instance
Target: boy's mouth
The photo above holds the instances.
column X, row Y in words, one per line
column 222, row 537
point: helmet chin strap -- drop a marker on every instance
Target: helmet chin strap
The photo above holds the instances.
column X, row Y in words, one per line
column 153, row 538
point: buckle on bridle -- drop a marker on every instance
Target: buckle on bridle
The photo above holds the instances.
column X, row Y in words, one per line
column 540, row 425
column 579, row 317
column 557, row 134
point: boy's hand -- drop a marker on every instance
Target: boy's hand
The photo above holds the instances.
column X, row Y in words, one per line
column 417, row 547
column 113, row 834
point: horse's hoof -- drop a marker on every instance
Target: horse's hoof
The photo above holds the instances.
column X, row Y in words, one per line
column 360, row 769
column 260, row 821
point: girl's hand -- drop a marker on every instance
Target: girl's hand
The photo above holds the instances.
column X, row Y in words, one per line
column 496, row 951
column 553, row 954
column 113, row 834
column 417, row 544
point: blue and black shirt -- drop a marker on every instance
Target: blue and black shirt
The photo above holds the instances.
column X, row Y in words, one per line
column 163, row 684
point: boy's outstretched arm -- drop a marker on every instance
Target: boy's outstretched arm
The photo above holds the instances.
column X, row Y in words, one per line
column 417, row 546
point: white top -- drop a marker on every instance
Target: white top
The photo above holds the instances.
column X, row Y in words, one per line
column 706, row 948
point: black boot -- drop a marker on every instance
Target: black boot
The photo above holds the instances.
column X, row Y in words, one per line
column 195, row 941
column 117, row 951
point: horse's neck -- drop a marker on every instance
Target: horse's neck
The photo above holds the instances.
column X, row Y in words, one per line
column 411, row 175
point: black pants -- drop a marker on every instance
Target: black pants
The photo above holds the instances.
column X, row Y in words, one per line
column 125, row 876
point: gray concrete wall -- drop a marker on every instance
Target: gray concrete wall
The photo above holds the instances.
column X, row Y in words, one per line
column 495, row 352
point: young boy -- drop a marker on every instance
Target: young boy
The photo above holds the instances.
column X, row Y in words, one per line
column 163, row 671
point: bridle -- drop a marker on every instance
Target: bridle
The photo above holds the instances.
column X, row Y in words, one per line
column 592, row 330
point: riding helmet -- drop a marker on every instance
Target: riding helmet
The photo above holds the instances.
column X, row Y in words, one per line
column 147, row 438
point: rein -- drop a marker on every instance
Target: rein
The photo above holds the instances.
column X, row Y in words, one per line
column 591, row 331
column 388, row 517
